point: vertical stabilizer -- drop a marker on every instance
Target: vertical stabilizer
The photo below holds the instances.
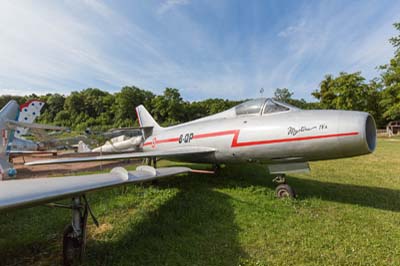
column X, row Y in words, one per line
column 9, row 112
column 146, row 120
column 83, row 147
column 29, row 111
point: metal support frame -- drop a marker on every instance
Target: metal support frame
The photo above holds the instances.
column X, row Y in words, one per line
column 74, row 238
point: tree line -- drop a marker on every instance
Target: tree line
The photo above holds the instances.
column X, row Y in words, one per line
column 101, row 110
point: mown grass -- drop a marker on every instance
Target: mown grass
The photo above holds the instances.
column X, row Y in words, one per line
column 347, row 213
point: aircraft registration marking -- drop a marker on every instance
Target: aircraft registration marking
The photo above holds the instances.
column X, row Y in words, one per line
column 236, row 132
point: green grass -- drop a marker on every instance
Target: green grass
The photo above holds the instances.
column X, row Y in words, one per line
column 347, row 213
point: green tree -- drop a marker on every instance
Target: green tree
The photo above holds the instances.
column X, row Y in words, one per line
column 168, row 108
column 347, row 91
column 4, row 99
column 390, row 79
column 350, row 92
column 126, row 102
column 74, row 103
column 283, row 95
column 326, row 93
column 54, row 103
column 93, row 101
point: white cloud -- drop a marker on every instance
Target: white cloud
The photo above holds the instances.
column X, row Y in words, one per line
column 323, row 44
column 168, row 5
column 290, row 30
column 45, row 47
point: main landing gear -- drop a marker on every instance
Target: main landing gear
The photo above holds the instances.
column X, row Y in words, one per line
column 283, row 190
column 74, row 237
column 151, row 160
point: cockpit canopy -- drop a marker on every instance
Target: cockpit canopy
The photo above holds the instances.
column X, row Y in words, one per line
column 256, row 107
column 262, row 106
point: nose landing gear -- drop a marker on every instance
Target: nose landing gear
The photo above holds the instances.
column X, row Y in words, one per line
column 283, row 190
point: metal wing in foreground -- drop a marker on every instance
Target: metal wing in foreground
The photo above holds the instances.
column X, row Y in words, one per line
column 35, row 191
column 168, row 153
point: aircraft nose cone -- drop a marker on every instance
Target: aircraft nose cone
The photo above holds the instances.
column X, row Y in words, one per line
column 362, row 125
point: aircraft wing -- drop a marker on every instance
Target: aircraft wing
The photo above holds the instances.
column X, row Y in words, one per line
column 35, row 191
column 16, row 152
column 14, row 124
column 167, row 153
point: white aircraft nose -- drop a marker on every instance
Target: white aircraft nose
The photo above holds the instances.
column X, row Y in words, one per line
column 363, row 126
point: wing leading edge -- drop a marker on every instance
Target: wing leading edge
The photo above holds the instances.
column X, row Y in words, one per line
column 169, row 153
column 35, row 191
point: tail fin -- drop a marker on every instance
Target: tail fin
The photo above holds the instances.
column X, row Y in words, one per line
column 29, row 112
column 9, row 112
column 83, row 147
column 146, row 120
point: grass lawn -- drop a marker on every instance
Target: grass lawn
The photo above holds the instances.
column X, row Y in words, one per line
column 347, row 213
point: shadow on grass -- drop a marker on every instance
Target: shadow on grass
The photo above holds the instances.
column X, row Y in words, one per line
column 28, row 236
column 375, row 197
column 195, row 227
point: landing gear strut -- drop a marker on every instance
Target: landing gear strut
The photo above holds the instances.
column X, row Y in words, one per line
column 152, row 160
column 216, row 168
column 74, row 238
column 283, row 190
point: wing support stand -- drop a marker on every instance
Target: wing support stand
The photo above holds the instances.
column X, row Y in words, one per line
column 152, row 160
column 74, row 237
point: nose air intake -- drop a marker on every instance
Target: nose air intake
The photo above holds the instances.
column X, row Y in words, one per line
column 370, row 133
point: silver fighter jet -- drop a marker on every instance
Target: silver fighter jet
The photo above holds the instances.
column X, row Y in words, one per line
column 263, row 130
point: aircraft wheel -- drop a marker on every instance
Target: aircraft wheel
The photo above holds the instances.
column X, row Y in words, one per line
column 284, row 191
column 72, row 247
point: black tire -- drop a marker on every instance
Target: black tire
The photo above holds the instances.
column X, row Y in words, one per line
column 72, row 248
column 285, row 191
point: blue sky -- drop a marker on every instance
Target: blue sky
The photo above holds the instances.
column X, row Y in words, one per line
column 227, row 49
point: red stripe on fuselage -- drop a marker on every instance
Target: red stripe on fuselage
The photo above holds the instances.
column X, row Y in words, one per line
column 236, row 132
column 167, row 140
column 216, row 134
column 156, row 141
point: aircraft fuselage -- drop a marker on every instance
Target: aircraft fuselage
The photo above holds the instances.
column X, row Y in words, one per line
column 279, row 137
